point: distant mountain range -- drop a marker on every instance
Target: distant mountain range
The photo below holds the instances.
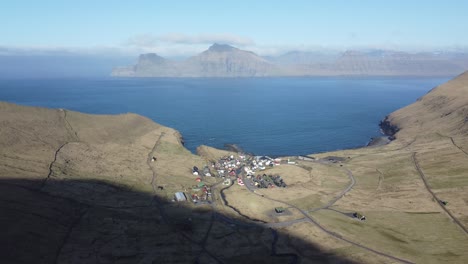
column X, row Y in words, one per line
column 226, row 61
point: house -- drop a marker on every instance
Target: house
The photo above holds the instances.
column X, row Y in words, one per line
column 279, row 210
column 195, row 198
column 206, row 171
column 305, row 158
column 359, row 216
column 180, row 197
column 240, row 182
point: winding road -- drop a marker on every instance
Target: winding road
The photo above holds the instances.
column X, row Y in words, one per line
column 308, row 218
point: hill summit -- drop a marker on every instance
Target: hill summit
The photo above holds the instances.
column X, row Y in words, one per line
column 221, row 48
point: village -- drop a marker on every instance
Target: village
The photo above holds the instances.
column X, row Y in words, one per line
column 245, row 170
column 240, row 168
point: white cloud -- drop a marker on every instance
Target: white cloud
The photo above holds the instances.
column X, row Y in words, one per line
column 148, row 40
column 182, row 46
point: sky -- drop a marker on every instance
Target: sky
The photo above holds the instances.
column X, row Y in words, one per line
column 183, row 28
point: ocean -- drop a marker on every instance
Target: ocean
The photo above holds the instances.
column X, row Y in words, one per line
column 264, row 116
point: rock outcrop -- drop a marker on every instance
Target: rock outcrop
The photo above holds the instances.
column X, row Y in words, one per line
column 388, row 128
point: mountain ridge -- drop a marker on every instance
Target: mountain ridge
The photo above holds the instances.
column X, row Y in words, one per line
column 222, row 60
column 219, row 60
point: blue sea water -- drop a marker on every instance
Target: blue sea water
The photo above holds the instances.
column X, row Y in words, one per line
column 268, row 116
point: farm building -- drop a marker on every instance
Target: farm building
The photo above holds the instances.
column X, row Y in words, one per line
column 180, row 197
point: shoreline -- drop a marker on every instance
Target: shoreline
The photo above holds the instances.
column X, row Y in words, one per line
column 378, row 141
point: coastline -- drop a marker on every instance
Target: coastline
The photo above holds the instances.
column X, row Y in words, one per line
column 378, row 141
column 388, row 131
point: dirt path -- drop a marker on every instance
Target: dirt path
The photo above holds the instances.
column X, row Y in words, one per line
column 424, row 179
column 337, row 236
column 343, row 193
column 381, row 179
column 208, row 231
column 69, row 231
column 52, row 164
column 294, row 257
column 149, row 161
column 255, row 223
column 69, row 127
column 453, row 142
column 226, row 203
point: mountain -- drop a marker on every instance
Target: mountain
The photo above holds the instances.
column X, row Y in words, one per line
column 393, row 63
column 444, row 110
column 218, row 61
column 303, row 58
column 226, row 61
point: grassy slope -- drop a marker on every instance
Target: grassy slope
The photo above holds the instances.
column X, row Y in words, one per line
column 403, row 219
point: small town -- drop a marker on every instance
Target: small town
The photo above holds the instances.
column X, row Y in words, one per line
column 240, row 168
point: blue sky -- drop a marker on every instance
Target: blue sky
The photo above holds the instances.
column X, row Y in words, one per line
column 267, row 27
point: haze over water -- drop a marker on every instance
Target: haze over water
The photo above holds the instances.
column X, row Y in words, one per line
column 268, row 116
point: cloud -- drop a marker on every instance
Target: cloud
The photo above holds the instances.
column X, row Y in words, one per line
column 149, row 41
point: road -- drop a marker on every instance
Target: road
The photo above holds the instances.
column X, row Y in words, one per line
column 257, row 224
column 308, row 218
column 342, row 193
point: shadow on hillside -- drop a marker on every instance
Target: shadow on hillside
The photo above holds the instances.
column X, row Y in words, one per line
column 96, row 222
